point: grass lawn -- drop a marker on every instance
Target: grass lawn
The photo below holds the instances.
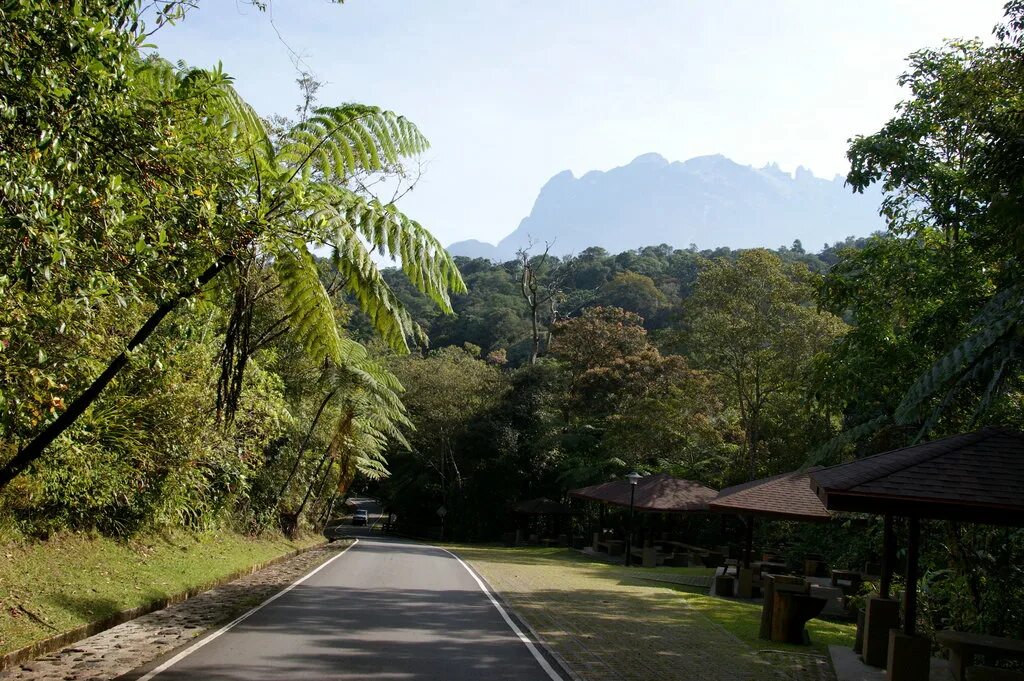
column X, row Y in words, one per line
column 72, row 579
column 607, row 617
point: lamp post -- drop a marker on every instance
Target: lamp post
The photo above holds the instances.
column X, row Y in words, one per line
column 633, row 478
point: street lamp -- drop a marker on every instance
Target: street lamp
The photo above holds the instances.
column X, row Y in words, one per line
column 633, row 478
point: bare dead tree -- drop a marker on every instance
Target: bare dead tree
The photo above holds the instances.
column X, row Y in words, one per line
column 541, row 286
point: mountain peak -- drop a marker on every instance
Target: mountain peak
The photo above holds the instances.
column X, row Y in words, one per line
column 650, row 158
column 708, row 200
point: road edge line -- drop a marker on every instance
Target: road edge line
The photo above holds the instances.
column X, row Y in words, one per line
column 207, row 639
column 541, row 660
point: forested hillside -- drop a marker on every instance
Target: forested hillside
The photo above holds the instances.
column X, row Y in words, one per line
column 653, row 282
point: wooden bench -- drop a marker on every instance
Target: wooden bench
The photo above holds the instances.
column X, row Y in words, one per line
column 980, row 673
column 848, row 580
column 964, row 646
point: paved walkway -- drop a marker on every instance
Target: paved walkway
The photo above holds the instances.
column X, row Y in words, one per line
column 608, row 625
column 118, row 650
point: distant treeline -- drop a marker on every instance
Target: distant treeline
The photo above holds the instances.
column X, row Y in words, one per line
column 651, row 282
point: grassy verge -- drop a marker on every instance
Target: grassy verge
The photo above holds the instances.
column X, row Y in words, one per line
column 598, row 615
column 50, row 587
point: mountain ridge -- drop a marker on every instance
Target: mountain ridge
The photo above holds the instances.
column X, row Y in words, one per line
column 710, row 201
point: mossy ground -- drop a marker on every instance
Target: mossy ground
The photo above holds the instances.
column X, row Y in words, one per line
column 70, row 580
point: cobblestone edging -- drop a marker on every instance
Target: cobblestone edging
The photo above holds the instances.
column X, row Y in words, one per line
column 133, row 637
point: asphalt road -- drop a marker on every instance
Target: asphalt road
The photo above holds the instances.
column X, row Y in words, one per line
column 385, row 609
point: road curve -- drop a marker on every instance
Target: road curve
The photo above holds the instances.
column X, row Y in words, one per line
column 385, row 609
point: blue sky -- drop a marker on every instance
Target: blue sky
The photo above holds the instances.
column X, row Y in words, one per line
column 511, row 93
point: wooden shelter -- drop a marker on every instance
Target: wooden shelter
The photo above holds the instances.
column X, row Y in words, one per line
column 783, row 497
column 973, row 477
column 657, row 493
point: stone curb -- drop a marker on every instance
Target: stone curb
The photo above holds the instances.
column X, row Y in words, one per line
column 58, row 641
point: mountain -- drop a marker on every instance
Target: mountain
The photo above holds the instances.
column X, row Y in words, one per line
column 709, row 201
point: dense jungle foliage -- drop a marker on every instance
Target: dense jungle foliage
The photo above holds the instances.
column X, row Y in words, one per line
column 194, row 330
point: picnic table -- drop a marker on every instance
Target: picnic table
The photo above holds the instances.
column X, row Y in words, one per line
column 855, row 579
column 614, row 547
column 768, row 567
column 964, row 646
column 787, row 607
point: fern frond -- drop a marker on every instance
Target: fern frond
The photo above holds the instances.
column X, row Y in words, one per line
column 341, row 141
column 848, row 437
column 308, row 306
column 997, row 325
column 246, row 123
column 352, row 226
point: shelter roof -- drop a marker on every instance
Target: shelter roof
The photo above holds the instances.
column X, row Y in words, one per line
column 976, row 477
column 657, row 493
column 788, row 496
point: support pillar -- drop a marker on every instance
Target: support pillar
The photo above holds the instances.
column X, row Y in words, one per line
column 909, row 654
column 748, row 541
column 910, row 593
column 880, row 616
column 888, row 557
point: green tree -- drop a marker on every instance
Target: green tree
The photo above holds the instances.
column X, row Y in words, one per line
column 636, row 293
column 447, row 394
column 647, row 410
column 752, row 322
column 950, row 164
column 250, row 198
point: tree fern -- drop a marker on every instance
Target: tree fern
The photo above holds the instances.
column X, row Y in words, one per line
column 982, row 356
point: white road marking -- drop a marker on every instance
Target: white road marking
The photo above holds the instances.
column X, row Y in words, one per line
column 541, row 660
column 199, row 644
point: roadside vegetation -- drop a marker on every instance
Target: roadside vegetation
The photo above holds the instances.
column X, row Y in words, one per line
column 195, row 335
column 47, row 588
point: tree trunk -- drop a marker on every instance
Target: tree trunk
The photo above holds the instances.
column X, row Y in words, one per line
column 302, row 448
column 535, row 351
column 309, row 490
column 35, row 448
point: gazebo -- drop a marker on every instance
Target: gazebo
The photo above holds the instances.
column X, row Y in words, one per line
column 655, row 493
column 782, row 497
column 540, row 509
column 973, row 477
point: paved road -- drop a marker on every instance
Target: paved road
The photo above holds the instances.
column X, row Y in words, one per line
column 385, row 609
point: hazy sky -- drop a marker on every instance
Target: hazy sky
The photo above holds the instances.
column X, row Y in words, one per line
column 510, row 93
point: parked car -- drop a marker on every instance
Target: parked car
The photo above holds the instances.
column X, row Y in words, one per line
column 360, row 517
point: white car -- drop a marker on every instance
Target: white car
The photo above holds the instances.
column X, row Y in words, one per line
column 361, row 517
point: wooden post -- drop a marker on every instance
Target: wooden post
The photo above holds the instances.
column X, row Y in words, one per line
column 629, row 531
column 748, row 544
column 888, row 557
column 910, row 595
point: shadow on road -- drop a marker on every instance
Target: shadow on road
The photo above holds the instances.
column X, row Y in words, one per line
column 361, row 633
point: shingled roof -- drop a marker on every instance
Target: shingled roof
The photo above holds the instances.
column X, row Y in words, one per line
column 658, row 493
column 788, row 496
column 976, row 477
